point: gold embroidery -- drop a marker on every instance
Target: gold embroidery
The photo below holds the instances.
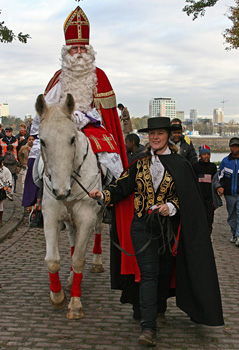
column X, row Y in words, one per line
column 95, row 141
column 144, row 197
column 108, row 140
column 107, row 196
column 107, row 100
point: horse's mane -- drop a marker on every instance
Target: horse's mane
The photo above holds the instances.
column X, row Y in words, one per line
column 56, row 113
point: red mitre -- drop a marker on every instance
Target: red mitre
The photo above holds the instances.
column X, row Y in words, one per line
column 77, row 28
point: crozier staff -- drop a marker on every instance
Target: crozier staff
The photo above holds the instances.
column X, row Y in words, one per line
column 164, row 182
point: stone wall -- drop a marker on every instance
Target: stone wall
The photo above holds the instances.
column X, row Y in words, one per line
column 217, row 144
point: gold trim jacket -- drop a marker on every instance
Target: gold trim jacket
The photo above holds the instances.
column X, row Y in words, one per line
column 137, row 179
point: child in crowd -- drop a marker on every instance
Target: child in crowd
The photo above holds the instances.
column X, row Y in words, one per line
column 205, row 170
column 5, row 186
column 10, row 162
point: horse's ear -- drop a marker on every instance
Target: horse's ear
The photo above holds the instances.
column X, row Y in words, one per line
column 41, row 106
column 69, row 104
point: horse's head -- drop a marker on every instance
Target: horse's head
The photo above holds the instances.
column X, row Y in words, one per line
column 58, row 135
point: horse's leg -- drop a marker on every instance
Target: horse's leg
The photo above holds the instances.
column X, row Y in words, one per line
column 85, row 224
column 71, row 237
column 97, row 265
column 52, row 259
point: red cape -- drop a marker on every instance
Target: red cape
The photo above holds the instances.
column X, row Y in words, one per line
column 105, row 103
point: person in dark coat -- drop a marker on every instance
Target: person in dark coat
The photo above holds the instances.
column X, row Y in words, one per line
column 205, row 171
column 183, row 143
column 11, row 163
column 22, row 136
column 134, row 149
column 168, row 229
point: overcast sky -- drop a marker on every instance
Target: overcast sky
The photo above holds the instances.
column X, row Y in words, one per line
column 147, row 49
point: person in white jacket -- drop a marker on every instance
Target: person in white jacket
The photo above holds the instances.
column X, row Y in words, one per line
column 5, row 186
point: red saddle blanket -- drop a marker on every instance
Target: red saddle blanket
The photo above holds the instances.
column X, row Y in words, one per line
column 101, row 140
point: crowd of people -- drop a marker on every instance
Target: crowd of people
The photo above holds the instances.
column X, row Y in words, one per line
column 14, row 151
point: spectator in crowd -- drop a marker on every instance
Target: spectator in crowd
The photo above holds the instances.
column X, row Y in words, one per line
column 8, row 139
column 125, row 119
column 205, row 171
column 29, row 124
column 11, row 163
column 228, row 176
column 165, row 196
column 134, row 149
column 23, row 155
column 22, row 136
column 183, row 143
column 2, row 131
column 5, row 186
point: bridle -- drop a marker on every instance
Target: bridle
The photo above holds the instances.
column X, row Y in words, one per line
column 74, row 175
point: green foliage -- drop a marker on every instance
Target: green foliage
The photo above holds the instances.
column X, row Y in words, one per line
column 198, row 7
column 230, row 35
column 7, row 35
column 12, row 121
column 139, row 123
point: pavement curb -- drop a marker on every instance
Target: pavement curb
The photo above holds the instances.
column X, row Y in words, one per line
column 14, row 221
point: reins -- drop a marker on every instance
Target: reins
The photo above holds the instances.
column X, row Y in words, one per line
column 166, row 238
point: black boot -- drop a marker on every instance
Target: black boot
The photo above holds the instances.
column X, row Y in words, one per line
column 37, row 221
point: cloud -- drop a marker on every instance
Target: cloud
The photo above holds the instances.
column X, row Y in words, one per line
column 147, row 48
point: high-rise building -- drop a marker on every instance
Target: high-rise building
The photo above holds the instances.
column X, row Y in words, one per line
column 4, row 110
column 218, row 116
column 162, row 107
column 180, row 115
column 193, row 115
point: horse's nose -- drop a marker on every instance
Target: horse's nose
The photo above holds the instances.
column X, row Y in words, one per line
column 61, row 194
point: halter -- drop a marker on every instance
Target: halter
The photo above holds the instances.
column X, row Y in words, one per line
column 75, row 172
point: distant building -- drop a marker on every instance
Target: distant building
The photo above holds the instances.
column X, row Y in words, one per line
column 28, row 116
column 4, row 110
column 193, row 115
column 180, row 115
column 218, row 116
column 162, row 107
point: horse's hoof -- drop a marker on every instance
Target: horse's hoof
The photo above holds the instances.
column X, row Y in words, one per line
column 97, row 268
column 75, row 314
column 60, row 305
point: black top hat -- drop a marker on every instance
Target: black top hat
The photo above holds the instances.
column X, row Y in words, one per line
column 157, row 123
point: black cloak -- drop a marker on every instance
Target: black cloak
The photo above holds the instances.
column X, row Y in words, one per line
column 197, row 287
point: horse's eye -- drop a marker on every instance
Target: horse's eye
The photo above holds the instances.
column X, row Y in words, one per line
column 73, row 140
column 42, row 143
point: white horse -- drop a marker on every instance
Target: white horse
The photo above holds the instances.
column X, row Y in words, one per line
column 66, row 150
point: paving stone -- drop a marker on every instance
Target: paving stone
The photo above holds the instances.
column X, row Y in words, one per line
column 29, row 322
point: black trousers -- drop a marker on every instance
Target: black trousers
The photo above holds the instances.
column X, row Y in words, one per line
column 155, row 267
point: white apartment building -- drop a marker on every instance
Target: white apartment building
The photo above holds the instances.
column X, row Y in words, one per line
column 162, row 107
column 218, row 116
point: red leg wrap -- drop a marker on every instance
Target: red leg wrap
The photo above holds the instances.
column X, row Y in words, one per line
column 55, row 284
column 76, row 286
column 97, row 246
column 72, row 252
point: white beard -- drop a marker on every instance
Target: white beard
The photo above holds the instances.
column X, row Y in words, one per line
column 78, row 77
